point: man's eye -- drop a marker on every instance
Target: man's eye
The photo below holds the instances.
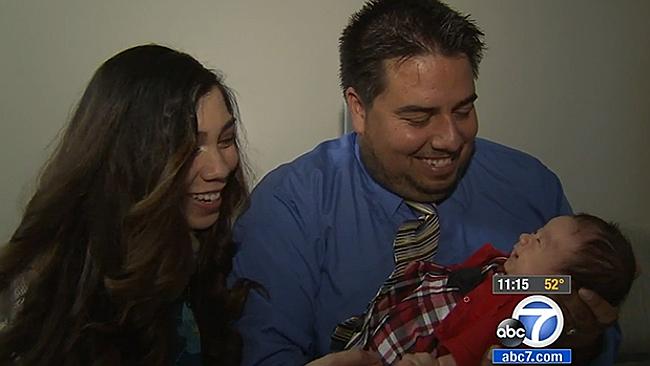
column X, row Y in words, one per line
column 464, row 111
column 417, row 120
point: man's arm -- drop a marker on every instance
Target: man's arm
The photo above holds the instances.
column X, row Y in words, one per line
column 277, row 250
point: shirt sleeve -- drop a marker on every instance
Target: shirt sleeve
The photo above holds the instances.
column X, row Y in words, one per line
column 563, row 207
column 468, row 346
column 611, row 342
column 470, row 329
column 277, row 250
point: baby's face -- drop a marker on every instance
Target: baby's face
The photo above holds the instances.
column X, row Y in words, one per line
column 545, row 251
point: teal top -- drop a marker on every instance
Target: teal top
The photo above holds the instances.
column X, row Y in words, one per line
column 188, row 340
column 188, row 351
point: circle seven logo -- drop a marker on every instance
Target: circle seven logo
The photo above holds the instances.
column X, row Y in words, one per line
column 542, row 318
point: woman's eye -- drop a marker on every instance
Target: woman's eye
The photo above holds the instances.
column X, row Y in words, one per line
column 200, row 149
column 226, row 142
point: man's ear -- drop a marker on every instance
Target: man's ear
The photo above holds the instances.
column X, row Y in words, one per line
column 357, row 110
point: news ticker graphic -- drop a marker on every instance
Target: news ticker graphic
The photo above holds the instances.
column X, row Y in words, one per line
column 532, row 284
column 537, row 321
column 505, row 356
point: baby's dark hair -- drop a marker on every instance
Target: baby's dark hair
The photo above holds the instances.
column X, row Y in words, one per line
column 605, row 261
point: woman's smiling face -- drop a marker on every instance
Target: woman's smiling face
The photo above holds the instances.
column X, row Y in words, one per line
column 216, row 157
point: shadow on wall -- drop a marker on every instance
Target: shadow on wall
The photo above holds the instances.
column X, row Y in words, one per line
column 635, row 312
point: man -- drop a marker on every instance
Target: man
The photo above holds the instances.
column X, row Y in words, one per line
column 319, row 233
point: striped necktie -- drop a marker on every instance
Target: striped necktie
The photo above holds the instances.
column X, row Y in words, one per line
column 416, row 240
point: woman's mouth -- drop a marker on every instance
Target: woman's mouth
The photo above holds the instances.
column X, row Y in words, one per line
column 207, row 197
column 206, row 203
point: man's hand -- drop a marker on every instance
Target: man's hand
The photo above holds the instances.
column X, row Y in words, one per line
column 605, row 313
column 586, row 315
column 353, row 357
column 487, row 357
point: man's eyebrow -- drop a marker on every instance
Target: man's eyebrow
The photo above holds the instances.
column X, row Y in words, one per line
column 433, row 110
column 417, row 109
column 466, row 101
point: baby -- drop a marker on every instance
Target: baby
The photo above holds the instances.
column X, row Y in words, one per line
column 451, row 313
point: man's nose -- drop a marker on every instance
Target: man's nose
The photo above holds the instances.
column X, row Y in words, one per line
column 445, row 134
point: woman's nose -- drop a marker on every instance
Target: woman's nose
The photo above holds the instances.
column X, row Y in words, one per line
column 215, row 166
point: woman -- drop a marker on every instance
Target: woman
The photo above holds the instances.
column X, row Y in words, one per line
column 130, row 224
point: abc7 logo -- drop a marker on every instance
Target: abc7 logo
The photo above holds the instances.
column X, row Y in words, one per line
column 537, row 321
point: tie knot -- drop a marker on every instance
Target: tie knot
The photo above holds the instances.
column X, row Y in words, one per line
column 422, row 208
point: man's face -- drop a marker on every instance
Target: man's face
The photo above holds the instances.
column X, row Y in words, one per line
column 418, row 135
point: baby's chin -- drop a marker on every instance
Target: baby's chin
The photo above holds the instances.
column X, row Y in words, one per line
column 509, row 267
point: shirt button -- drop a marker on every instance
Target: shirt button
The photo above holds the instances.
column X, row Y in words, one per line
column 466, row 299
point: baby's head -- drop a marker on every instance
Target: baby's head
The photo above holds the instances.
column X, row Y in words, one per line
column 595, row 253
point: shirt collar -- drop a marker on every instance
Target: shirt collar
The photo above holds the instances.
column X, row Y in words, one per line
column 387, row 199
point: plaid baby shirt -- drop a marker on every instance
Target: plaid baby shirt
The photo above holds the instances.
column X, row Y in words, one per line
column 404, row 316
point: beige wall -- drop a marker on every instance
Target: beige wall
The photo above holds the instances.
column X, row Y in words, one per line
column 280, row 56
column 569, row 82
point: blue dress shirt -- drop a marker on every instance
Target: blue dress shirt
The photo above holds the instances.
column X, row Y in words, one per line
column 318, row 237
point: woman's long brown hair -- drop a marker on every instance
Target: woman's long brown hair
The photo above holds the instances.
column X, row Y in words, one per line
column 104, row 236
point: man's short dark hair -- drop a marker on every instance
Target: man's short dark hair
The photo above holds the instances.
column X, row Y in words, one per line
column 605, row 261
column 387, row 29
